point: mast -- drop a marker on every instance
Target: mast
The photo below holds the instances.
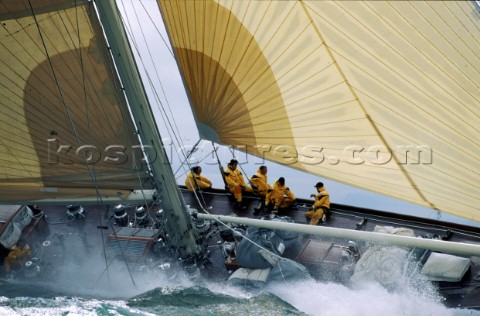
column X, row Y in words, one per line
column 177, row 220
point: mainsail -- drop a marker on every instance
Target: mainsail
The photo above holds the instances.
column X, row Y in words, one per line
column 381, row 95
column 67, row 133
column 65, row 129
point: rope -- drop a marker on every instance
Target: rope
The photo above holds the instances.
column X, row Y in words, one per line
column 194, row 148
column 174, row 130
column 220, row 166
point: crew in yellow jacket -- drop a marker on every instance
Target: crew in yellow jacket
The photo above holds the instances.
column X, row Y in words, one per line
column 321, row 207
column 259, row 180
column 236, row 183
column 17, row 256
column 281, row 197
column 260, row 183
column 195, row 179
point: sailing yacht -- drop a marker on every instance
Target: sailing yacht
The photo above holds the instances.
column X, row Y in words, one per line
column 380, row 95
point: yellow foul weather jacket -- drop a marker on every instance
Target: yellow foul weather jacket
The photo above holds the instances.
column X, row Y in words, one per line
column 322, row 199
column 194, row 179
column 236, row 183
column 261, row 182
column 234, row 177
column 278, row 196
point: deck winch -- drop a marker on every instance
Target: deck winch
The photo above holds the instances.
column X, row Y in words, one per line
column 140, row 216
column 76, row 211
column 120, row 215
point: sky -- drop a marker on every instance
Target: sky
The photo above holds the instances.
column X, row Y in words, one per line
column 178, row 129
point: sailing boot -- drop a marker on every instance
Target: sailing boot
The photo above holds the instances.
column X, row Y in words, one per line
column 261, row 205
column 274, row 212
column 269, row 207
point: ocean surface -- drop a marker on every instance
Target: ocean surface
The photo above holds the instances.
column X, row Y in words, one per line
column 86, row 290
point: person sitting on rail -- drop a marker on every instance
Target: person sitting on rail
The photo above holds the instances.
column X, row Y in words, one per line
column 236, row 184
column 321, row 208
column 280, row 197
column 259, row 180
column 195, row 180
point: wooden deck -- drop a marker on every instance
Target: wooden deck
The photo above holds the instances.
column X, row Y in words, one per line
column 57, row 236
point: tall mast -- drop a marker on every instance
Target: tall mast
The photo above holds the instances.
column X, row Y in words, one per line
column 177, row 220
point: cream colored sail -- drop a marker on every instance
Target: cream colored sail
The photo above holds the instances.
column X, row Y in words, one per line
column 59, row 94
column 382, row 95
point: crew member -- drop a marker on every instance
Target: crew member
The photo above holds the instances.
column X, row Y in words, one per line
column 236, row 183
column 280, row 197
column 19, row 254
column 260, row 182
column 321, row 208
column 195, row 180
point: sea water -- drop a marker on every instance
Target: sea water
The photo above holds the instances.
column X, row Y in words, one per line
column 90, row 289
column 292, row 299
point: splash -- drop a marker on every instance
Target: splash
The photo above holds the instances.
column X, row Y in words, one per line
column 315, row 298
column 114, row 288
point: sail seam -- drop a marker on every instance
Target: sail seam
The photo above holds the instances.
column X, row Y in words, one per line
column 368, row 117
column 62, row 97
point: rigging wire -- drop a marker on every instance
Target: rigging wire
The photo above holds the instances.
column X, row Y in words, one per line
column 191, row 151
column 197, row 163
column 82, row 66
column 152, row 60
column 64, row 103
column 229, row 227
column 128, row 28
column 124, row 115
column 158, row 31
column 137, row 169
column 174, row 130
column 123, row 256
column 165, row 116
column 67, row 109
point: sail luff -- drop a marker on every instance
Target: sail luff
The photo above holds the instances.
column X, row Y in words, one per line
column 367, row 116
